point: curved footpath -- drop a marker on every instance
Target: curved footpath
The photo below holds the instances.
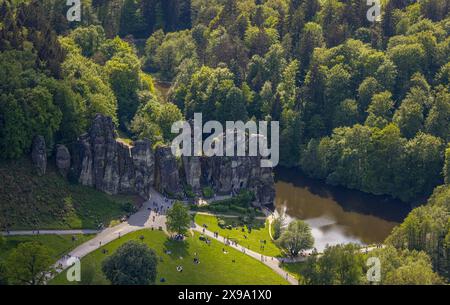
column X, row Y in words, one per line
column 49, row 232
column 147, row 218
column 272, row 262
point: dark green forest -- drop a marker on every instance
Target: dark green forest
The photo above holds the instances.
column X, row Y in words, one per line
column 362, row 105
column 349, row 94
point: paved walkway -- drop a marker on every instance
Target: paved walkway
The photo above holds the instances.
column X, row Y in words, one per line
column 272, row 262
column 147, row 218
column 49, row 232
column 152, row 214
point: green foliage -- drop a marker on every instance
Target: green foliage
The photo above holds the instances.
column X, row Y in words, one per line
column 129, row 208
column 277, row 227
column 165, row 53
column 131, row 19
column 46, row 204
column 3, row 274
column 89, row 82
column 88, row 274
column 339, row 265
column 132, row 264
column 426, row 229
column 409, row 116
column 380, row 110
column 438, row 120
column 210, row 92
column 311, row 38
column 111, row 47
column 347, row 113
column 123, row 71
column 178, row 218
column 154, row 121
column 447, row 166
column 26, row 109
column 405, row 267
column 215, row 268
column 250, row 233
column 366, row 90
column 239, row 204
column 297, row 237
column 88, row 39
column 208, row 192
column 299, row 63
column 28, row 264
column 352, row 157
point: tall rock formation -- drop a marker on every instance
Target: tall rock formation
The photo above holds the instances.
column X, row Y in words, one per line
column 167, row 177
column 110, row 166
column 39, row 155
column 230, row 175
column 62, row 159
column 192, row 168
column 100, row 161
column 144, row 166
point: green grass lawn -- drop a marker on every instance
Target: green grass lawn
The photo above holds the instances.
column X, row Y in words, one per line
column 215, row 266
column 58, row 245
column 51, row 202
column 259, row 232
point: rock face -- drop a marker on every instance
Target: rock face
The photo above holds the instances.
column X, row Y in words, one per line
column 144, row 164
column 261, row 182
column 167, row 178
column 39, row 155
column 62, row 159
column 105, row 161
column 230, row 175
column 110, row 166
column 192, row 167
column 100, row 161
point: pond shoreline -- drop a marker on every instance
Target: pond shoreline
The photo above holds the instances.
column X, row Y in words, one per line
column 337, row 214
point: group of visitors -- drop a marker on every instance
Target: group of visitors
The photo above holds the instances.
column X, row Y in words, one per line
column 178, row 237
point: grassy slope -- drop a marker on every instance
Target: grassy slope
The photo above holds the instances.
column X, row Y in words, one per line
column 215, row 267
column 253, row 239
column 295, row 269
column 58, row 245
column 51, row 202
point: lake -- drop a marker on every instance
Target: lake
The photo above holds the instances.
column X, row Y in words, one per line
column 336, row 215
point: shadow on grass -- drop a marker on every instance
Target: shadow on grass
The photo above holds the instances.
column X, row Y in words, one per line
column 237, row 223
column 176, row 249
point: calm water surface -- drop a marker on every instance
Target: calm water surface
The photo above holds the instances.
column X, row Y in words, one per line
column 337, row 215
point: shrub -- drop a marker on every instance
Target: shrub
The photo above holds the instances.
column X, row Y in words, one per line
column 128, row 207
column 221, row 223
column 208, row 192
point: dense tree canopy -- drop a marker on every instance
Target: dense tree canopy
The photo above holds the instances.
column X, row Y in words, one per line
column 132, row 264
column 360, row 104
column 297, row 237
column 178, row 218
column 427, row 228
column 28, row 264
column 348, row 95
column 339, row 265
